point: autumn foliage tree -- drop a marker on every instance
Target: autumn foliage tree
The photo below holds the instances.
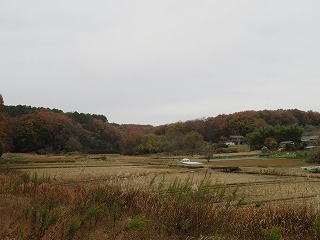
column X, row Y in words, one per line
column 45, row 131
column 193, row 143
column 105, row 137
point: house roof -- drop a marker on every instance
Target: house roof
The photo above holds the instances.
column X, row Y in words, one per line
column 309, row 138
column 286, row 142
column 236, row 136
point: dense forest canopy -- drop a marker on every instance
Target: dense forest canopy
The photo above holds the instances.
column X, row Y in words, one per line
column 44, row 130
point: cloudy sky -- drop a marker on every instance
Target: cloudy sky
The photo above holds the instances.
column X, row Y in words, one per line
column 160, row 61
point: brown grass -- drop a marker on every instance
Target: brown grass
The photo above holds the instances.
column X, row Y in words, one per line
column 155, row 202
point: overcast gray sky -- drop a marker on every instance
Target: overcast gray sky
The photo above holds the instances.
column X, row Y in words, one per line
column 157, row 62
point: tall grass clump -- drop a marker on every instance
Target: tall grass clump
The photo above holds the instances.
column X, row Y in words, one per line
column 273, row 233
column 186, row 207
column 136, row 223
column 74, row 226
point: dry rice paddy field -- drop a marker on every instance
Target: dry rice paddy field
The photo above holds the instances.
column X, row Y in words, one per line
column 259, row 182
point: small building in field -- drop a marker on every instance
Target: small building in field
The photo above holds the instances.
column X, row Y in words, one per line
column 236, row 140
column 309, row 139
column 286, row 145
column 229, row 143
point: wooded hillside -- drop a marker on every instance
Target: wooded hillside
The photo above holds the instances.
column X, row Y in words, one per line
column 43, row 130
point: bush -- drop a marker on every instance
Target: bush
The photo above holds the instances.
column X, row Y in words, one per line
column 225, row 150
column 271, row 143
column 265, row 151
column 315, row 156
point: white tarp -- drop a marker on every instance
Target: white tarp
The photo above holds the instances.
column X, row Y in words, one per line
column 187, row 161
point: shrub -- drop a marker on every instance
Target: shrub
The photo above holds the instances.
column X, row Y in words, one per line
column 271, row 143
column 315, row 156
column 265, row 151
column 226, row 150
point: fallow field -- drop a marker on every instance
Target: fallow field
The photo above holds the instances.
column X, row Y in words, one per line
column 156, row 197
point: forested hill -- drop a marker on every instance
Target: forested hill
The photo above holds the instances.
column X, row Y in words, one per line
column 43, row 130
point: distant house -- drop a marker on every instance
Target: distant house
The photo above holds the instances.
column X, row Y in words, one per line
column 286, row 145
column 236, row 140
column 309, row 139
column 286, row 142
column 229, row 143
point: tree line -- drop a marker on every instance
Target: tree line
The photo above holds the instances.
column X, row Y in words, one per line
column 43, row 130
